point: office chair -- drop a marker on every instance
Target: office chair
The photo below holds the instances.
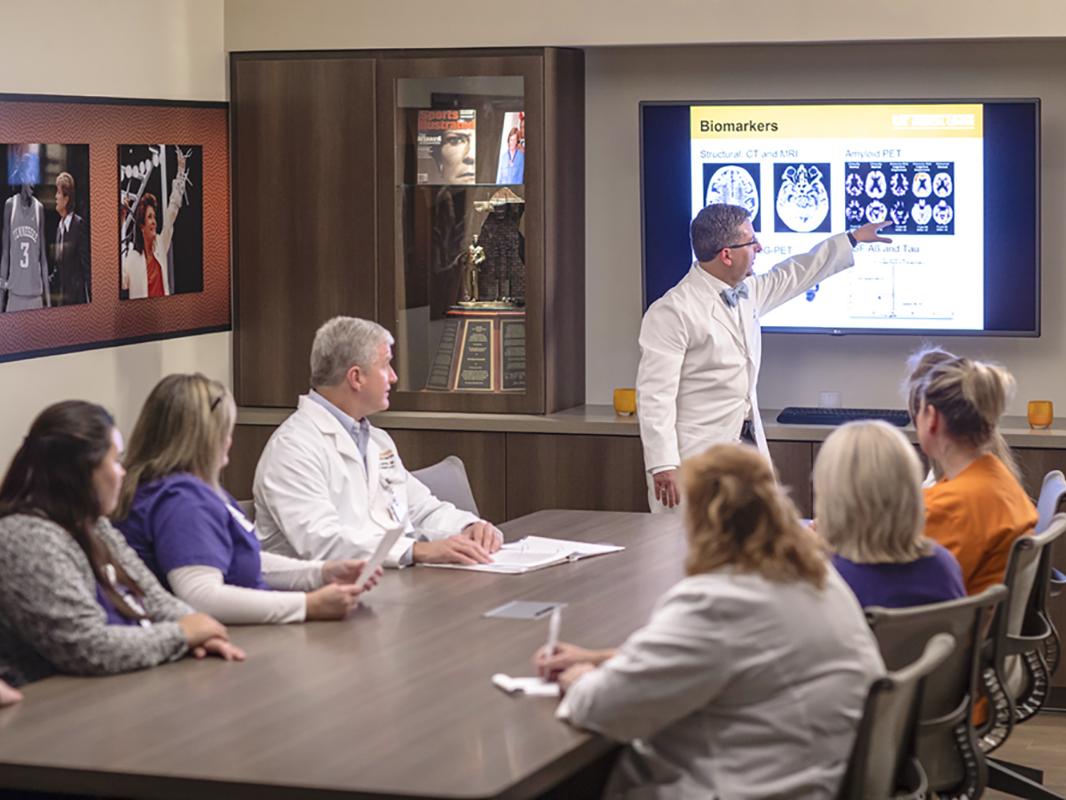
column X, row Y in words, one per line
column 447, row 480
column 947, row 746
column 1019, row 653
column 883, row 763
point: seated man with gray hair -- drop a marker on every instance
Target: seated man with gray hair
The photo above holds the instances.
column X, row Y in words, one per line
column 329, row 484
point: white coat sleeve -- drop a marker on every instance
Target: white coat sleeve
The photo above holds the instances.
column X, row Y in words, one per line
column 203, row 588
column 290, row 574
column 292, row 484
column 676, row 664
column 799, row 273
column 663, row 344
column 432, row 517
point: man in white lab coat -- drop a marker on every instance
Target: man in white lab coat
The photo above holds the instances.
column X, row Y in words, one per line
column 701, row 342
column 329, row 484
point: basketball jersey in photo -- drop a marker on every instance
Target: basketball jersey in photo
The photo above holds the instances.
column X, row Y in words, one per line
column 24, row 247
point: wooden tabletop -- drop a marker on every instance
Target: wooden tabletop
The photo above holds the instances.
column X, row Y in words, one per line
column 394, row 702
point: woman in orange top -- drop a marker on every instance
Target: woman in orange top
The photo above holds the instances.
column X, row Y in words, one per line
column 977, row 507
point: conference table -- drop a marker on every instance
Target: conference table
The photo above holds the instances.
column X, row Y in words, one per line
column 396, row 701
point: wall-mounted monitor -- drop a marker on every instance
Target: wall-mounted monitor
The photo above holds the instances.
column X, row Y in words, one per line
column 958, row 181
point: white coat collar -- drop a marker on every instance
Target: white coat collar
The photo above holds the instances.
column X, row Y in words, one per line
column 719, row 310
column 329, row 425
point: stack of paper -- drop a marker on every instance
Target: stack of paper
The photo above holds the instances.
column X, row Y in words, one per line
column 535, row 552
column 534, row 687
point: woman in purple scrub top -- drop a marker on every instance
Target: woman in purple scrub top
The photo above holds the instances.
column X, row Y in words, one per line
column 193, row 535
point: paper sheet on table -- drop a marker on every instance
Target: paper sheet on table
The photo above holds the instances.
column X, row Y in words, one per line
column 535, row 552
column 534, row 687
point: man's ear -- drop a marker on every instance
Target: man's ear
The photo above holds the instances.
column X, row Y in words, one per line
column 354, row 378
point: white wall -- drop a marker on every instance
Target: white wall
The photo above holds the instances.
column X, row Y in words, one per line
column 866, row 370
column 318, row 24
column 113, row 48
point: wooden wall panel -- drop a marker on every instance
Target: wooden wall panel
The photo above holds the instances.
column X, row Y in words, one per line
column 248, row 444
column 793, row 461
column 304, row 213
column 604, row 473
column 483, row 454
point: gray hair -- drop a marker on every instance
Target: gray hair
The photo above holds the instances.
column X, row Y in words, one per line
column 868, row 495
column 343, row 343
column 715, row 228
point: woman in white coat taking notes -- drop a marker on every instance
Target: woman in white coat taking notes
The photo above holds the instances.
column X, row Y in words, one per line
column 749, row 680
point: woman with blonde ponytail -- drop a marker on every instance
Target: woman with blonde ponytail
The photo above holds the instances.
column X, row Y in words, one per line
column 977, row 507
column 193, row 535
column 750, row 677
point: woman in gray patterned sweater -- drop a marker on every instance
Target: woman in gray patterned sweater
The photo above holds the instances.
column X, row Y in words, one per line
column 74, row 597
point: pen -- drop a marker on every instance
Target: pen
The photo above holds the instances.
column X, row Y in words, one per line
column 553, row 629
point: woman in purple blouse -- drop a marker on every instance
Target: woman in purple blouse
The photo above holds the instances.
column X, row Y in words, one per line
column 868, row 506
column 193, row 535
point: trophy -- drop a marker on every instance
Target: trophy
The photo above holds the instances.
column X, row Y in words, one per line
column 468, row 287
column 502, row 279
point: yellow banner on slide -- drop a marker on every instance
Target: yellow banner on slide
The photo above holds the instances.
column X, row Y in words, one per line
column 924, row 121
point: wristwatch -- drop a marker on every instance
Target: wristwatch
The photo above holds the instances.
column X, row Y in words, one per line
column 852, row 239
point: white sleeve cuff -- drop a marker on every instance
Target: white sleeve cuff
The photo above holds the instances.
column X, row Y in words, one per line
column 202, row 587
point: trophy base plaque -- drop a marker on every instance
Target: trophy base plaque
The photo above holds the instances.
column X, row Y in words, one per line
column 481, row 350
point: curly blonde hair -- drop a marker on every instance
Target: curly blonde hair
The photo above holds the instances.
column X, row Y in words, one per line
column 739, row 517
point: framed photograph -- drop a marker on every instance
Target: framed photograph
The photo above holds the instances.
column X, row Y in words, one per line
column 45, row 249
column 161, row 220
column 77, row 271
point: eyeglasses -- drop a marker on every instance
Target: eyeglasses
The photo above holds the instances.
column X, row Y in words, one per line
column 216, row 401
column 745, row 244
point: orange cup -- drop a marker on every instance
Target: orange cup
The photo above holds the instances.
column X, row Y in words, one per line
column 1040, row 413
column 625, row 402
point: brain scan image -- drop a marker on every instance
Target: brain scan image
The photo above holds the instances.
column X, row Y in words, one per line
column 942, row 185
column 899, row 213
column 802, row 201
column 854, row 212
column 943, row 213
column 922, row 184
column 876, row 211
column 899, row 184
column 875, row 184
column 734, row 185
column 922, row 212
column 853, row 184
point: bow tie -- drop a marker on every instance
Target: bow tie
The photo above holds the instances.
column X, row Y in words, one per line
column 732, row 296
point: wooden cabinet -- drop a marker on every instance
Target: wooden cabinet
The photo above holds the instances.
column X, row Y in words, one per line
column 335, row 214
column 304, row 212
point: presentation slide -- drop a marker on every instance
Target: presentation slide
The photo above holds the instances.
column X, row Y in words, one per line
column 806, row 171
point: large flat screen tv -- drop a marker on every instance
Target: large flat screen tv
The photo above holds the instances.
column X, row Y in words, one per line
column 958, row 180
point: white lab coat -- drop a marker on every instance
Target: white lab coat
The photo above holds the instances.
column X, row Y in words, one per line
column 698, row 368
column 738, row 687
column 315, row 499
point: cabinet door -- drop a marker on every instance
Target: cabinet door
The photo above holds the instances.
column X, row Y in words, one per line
column 304, row 168
column 461, row 230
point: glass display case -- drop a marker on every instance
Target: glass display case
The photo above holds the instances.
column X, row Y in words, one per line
column 461, row 293
column 463, row 260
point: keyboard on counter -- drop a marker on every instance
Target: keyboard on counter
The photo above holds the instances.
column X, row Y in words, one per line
column 799, row 415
